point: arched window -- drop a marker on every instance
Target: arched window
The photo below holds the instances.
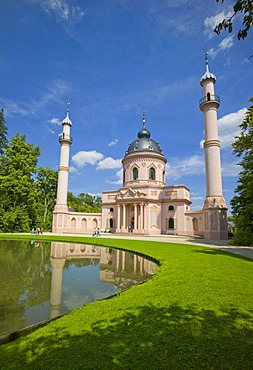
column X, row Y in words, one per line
column 171, row 208
column 111, row 222
column 208, row 96
column 171, row 223
column 152, row 174
column 111, row 210
column 73, row 223
column 84, row 224
column 135, row 173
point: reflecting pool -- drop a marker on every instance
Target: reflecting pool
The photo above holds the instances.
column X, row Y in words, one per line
column 42, row 280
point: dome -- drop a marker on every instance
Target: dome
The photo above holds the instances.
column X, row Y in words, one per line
column 144, row 133
column 207, row 76
column 143, row 143
column 67, row 121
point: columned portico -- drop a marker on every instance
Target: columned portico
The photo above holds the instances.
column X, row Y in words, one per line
column 128, row 212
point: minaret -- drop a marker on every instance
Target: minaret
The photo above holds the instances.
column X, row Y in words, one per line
column 215, row 216
column 61, row 207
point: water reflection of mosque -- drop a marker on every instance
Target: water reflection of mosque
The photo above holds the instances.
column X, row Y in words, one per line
column 117, row 267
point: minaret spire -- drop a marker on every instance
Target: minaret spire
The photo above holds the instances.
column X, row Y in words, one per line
column 206, row 61
column 67, row 120
column 208, row 75
column 143, row 120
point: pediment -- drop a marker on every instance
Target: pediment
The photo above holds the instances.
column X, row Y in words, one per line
column 130, row 193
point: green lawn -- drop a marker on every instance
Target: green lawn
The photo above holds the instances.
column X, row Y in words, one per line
column 195, row 313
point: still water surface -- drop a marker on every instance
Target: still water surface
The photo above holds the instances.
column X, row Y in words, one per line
column 41, row 280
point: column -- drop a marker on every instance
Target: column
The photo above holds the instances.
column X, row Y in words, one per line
column 123, row 260
column 119, row 218
column 124, row 217
column 135, row 218
column 141, row 220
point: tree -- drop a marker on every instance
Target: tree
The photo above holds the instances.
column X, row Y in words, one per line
column 46, row 186
column 18, row 194
column 3, row 133
column 244, row 7
column 242, row 203
column 85, row 202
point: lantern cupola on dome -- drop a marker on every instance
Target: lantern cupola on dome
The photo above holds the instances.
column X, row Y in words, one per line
column 144, row 142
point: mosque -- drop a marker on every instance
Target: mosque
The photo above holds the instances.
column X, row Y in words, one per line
column 145, row 205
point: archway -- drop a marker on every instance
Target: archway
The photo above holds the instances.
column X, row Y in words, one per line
column 195, row 224
column 171, row 223
column 132, row 223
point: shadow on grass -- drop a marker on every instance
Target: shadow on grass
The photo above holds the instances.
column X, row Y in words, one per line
column 147, row 338
column 224, row 252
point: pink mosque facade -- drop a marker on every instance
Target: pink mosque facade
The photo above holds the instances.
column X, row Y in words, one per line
column 144, row 204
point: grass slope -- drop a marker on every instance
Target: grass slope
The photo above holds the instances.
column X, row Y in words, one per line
column 195, row 313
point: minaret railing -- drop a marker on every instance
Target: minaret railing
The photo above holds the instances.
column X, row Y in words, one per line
column 66, row 137
column 208, row 98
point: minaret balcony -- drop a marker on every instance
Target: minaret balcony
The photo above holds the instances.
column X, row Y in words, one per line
column 65, row 137
column 209, row 98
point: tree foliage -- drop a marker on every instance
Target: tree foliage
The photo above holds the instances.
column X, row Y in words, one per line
column 18, row 194
column 244, row 7
column 85, row 202
column 242, row 203
column 46, row 186
column 3, row 133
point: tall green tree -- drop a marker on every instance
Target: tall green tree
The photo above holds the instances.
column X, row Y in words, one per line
column 3, row 133
column 85, row 202
column 242, row 203
column 244, row 7
column 46, row 186
column 18, row 194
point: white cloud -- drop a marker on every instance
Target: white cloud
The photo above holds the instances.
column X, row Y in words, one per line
column 97, row 159
column 11, row 108
column 51, row 131
column 225, row 44
column 197, row 198
column 62, row 10
column 211, row 22
column 109, row 163
column 54, row 121
column 228, row 127
column 119, row 174
column 32, row 107
column 113, row 142
column 230, row 169
column 179, row 167
column 72, row 169
column 83, row 157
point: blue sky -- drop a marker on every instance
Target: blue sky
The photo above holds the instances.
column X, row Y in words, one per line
column 114, row 59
